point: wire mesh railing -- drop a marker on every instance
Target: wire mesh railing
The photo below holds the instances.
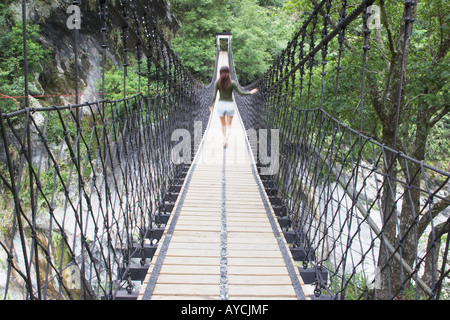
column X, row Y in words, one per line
column 84, row 185
column 368, row 221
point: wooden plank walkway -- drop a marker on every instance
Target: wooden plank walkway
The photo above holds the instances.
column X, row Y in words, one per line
column 222, row 240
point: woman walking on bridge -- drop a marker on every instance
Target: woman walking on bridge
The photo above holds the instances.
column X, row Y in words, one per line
column 226, row 105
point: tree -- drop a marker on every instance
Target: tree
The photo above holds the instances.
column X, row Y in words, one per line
column 418, row 59
column 250, row 41
column 12, row 59
column 407, row 85
column 259, row 36
column 200, row 21
column 259, row 33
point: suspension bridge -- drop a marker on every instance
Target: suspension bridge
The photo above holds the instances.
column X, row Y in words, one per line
column 223, row 242
column 136, row 198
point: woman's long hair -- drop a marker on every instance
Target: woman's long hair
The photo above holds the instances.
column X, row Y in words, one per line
column 225, row 78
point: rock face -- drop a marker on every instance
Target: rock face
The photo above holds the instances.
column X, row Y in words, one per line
column 57, row 83
column 58, row 77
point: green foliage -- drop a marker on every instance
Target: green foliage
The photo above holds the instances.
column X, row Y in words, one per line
column 12, row 57
column 115, row 85
column 259, row 36
column 439, row 146
column 200, row 21
column 271, row 3
column 260, row 31
column 425, row 120
column 55, row 127
column 426, row 87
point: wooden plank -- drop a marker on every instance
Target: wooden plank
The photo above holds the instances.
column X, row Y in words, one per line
column 242, row 180
column 174, row 290
column 254, row 220
column 187, row 269
column 210, row 235
column 246, row 212
column 189, row 279
column 188, row 237
column 201, row 203
column 247, row 279
column 280, row 291
column 256, row 267
column 251, row 229
column 197, row 211
column 210, row 196
column 210, row 219
column 254, row 240
column 199, row 185
column 237, row 182
column 254, row 254
column 202, row 206
column 206, row 208
column 245, row 209
column 192, row 253
column 256, row 262
column 193, row 218
column 250, row 270
column 192, row 261
column 180, row 244
column 193, row 227
column 233, row 191
column 258, row 207
column 251, row 237
column 254, row 246
column 211, row 178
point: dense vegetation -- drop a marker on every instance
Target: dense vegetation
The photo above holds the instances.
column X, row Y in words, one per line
column 11, row 57
column 260, row 30
column 425, row 104
column 415, row 121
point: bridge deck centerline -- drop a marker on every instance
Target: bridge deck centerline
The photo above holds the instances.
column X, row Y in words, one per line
column 220, row 242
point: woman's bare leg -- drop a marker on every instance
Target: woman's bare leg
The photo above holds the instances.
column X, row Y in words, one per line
column 228, row 130
column 223, row 122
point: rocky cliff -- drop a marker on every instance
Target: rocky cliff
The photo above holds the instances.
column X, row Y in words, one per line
column 56, row 83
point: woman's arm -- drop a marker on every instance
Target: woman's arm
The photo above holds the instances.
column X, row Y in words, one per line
column 216, row 88
column 241, row 92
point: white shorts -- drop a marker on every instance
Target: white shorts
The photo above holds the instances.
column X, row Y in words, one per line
column 225, row 108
